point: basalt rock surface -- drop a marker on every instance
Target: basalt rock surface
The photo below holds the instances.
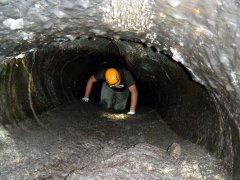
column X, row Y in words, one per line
column 49, row 48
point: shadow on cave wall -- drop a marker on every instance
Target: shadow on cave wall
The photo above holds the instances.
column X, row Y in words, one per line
column 48, row 77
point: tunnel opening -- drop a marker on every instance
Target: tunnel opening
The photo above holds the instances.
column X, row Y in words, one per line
column 44, row 79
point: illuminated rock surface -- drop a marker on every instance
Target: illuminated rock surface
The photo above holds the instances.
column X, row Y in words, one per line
column 80, row 144
column 45, row 36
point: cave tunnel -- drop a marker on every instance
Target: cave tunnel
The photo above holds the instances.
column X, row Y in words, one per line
column 186, row 69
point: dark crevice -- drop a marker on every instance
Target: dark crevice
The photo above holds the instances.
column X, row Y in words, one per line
column 60, row 75
column 52, row 76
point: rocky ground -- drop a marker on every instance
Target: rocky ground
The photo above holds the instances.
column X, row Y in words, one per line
column 80, row 141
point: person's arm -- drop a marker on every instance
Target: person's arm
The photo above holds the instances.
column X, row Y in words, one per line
column 134, row 98
column 89, row 86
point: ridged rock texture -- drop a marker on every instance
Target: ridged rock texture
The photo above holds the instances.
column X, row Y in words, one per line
column 164, row 42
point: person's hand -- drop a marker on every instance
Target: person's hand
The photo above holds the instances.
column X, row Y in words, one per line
column 85, row 99
column 131, row 112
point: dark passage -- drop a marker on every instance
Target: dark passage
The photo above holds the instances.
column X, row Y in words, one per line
column 48, row 132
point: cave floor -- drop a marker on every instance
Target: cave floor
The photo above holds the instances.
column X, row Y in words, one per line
column 80, row 141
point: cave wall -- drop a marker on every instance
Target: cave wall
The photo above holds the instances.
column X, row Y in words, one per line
column 202, row 36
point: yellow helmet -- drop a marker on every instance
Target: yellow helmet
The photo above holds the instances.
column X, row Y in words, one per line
column 112, row 77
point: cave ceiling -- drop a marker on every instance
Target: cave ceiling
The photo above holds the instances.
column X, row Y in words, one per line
column 203, row 36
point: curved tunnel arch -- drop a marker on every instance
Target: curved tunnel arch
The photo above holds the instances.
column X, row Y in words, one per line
column 198, row 41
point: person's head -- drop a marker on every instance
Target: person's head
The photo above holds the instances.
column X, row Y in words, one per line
column 112, row 76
